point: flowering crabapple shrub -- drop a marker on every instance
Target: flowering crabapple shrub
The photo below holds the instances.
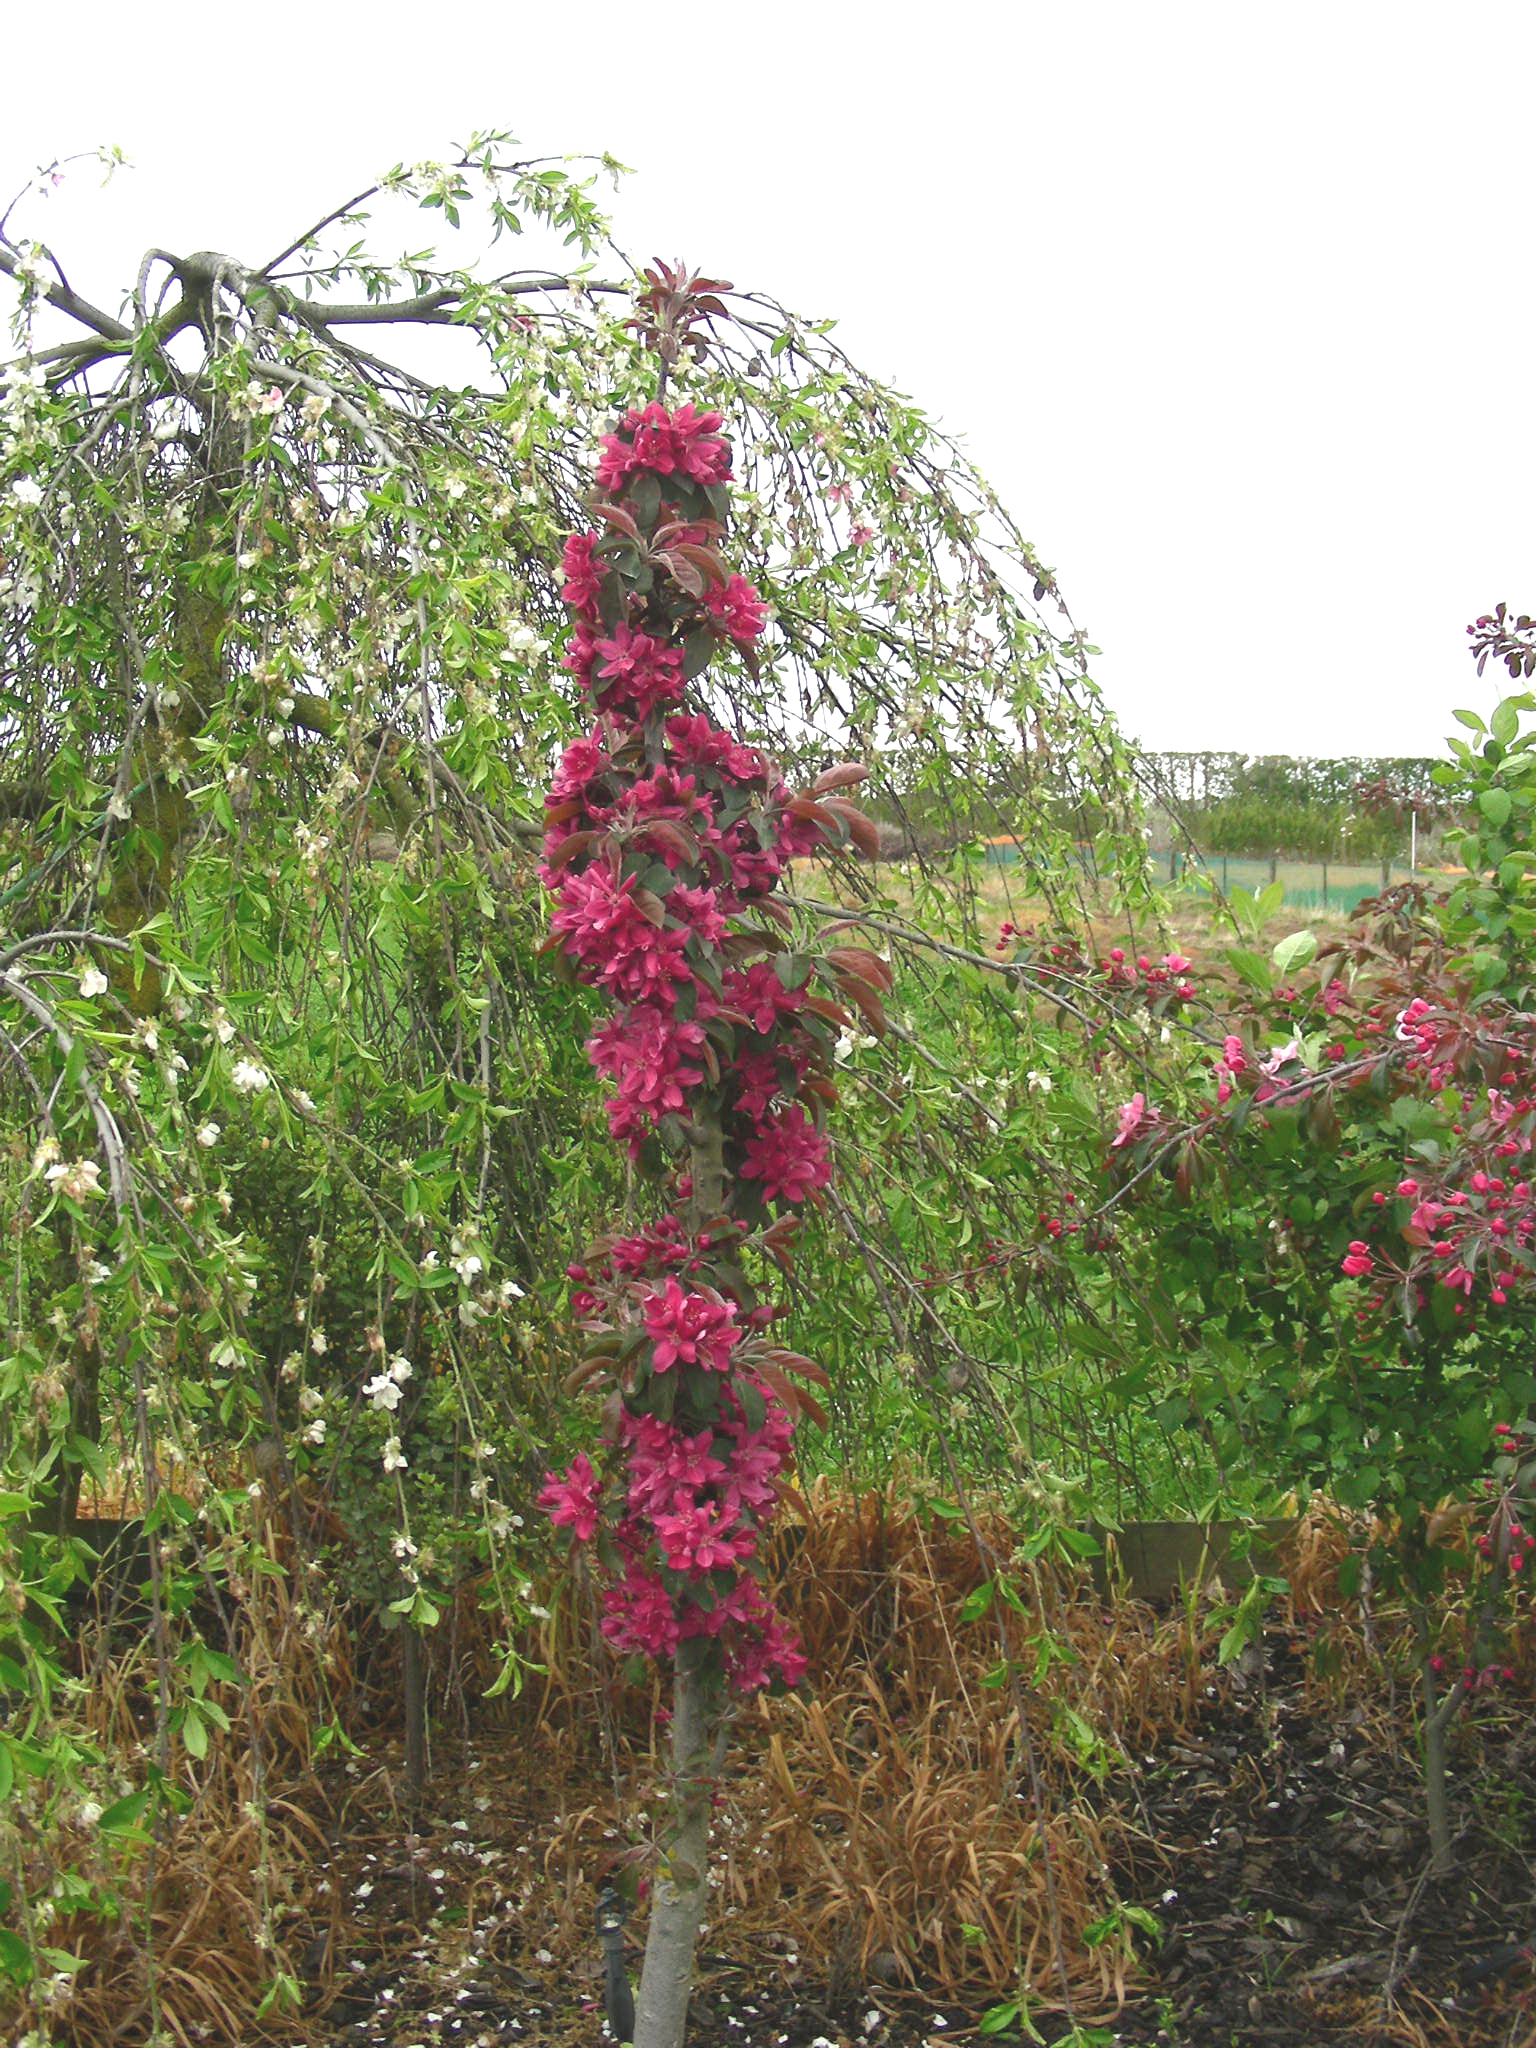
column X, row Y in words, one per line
column 666, row 838
column 1337, row 1243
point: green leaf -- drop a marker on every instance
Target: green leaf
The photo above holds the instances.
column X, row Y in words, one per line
column 1296, row 951
column 1496, row 805
column 123, row 1816
column 976, row 1602
column 15, row 1957
column 997, row 2019
column 1252, row 967
column 1505, row 723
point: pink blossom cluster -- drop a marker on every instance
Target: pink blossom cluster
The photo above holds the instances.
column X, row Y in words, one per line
column 665, row 837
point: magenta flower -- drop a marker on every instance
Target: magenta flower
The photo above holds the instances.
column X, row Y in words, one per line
column 583, row 572
column 1135, row 1117
column 738, row 609
column 573, row 1502
column 691, row 1329
column 789, row 1157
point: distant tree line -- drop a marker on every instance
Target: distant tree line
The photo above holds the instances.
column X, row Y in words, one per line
column 1354, row 807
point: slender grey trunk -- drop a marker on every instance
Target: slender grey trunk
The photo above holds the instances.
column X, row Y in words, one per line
column 1441, row 1710
column 698, row 1724
column 677, row 1901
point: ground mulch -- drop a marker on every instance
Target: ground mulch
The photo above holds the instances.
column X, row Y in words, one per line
column 1285, row 1859
column 1298, row 1908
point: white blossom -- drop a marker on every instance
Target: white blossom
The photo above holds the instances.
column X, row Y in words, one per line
column 400, row 1370
column 383, row 1392
column 77, row 1179
column 208, row 1135
column 309, row 1401
column 1039, row 1083
column 318, row 1342
column 394, row 1459
column 26, row 490
column 314, row 1432
column 247, row 1078
column 92, row 982
column 468, row 1267
column 509, row 1291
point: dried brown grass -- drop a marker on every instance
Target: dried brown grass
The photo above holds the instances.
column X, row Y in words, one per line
column 883, row 1826
column 199, row 1923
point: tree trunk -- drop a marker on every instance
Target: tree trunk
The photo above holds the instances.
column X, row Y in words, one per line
column 1436, row 1716
column 414, row 1665
column 677, row 1904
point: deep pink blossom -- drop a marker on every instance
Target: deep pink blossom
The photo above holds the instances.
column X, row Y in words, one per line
column 689, row 1329
column 761, row 996
column 635, row 669
column 738, row 609
column 789, row 1157
column 583, row 572
column 573, row 1502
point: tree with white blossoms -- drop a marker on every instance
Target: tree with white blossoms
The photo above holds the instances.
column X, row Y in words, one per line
column 296, row 1109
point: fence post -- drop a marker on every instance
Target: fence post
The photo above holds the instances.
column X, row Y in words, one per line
column 1274, row 862
column 1173, row 863
column 1325, row 885
column 1223, row 874
column 1386, row 873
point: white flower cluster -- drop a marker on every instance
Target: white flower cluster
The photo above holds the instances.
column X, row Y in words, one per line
column 313, row 846
column 384, row 1389
column 258, row 401
column 77, row 1178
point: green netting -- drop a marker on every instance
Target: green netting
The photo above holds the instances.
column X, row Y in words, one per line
column 1308, row 884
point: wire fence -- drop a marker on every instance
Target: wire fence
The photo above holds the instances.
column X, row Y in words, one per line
column 1306, row 884
column 1310, row 885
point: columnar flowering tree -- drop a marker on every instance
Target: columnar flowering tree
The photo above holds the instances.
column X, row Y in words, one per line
column 666, row 839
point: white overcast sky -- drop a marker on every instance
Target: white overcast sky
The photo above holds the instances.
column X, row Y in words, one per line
column 1232, row 304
